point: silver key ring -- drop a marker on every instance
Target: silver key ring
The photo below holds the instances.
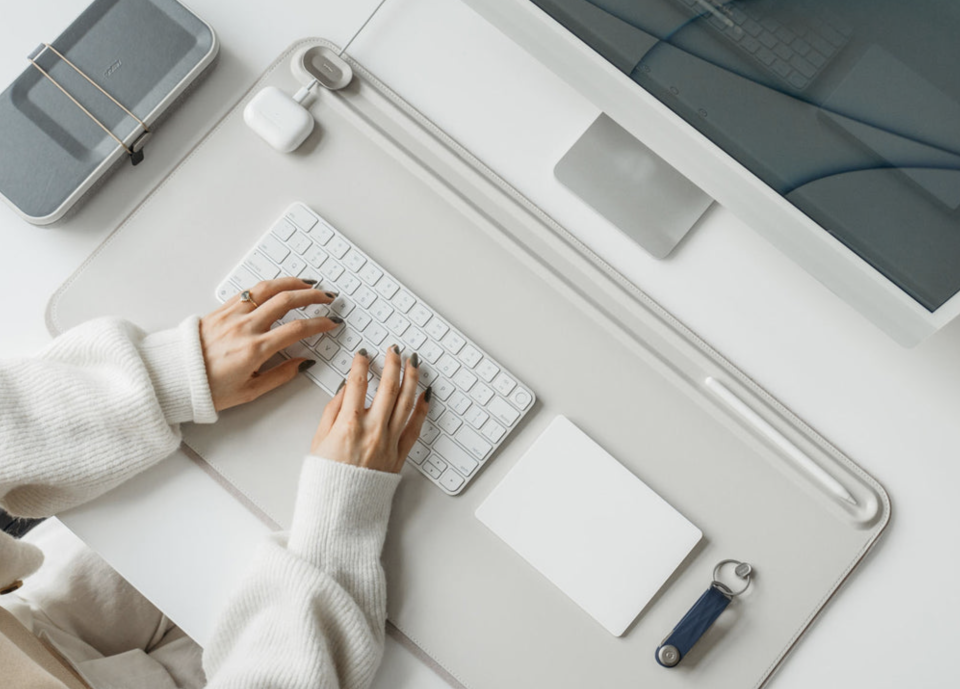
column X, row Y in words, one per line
column 741, row 569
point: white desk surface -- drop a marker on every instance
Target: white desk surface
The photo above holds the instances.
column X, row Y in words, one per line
column 182, row 540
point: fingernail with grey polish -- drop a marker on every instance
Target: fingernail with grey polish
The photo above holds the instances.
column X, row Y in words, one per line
column 332, row 295
column 340, row 387
column 362, row 352
column 396, row 349
column 309, row 281
column 428, row 393
column 304, row 365
column 336, row 319
column 415, row 360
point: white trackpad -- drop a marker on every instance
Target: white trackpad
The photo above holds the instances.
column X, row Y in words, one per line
column 589, row 525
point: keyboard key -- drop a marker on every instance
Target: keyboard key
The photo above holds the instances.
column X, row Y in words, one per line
column 354, row 260
column 342, row 306
column 418, row 453
column 436, row 411
column 299, row 243
column 414, row 337
column 419, row 314
column 370, row 274
column 293, row 265
column 464, row 379
column 429, row 432
column 521, row 398
column 375, row 333
column 433, row 467
column 450, row 480
column 456, row 456
column 487, row 370
column 321, row 233
column 431, row 351
column 262, row 266
column 397, row 324
column 338, row 247
column 350, row 339
column 273, row 248
column 427, row 375
column 502, row 412
column 227, row 290
column 316, row 311
column 459, row 402
column 403, row 301
column 481, row 393
column 476, row 417
column 470, row 356
column 347, row 284
column 475, row 445
column 243, row 278
column 301, row 217
column 504, row 384
column 448, row 365
column 315, row 256
column 381, row 310
column 453, row 342
column 450, row 422
column 443, row 388
column 493, row 431
column 387, row 287
column 328, row 348
column 360, row 320
column 331, row 270
column 342, row 361
column 436, row 328
column 283, row 228
column 365, row 297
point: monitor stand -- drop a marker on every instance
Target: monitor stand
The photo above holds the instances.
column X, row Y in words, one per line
column 632, row 187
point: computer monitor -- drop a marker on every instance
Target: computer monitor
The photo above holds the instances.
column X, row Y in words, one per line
column 832, row 127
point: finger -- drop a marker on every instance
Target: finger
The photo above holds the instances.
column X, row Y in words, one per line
column 412, row 430
column 386, row 398
column 355, row 392
column 330, row 413
column 265, row 381
column 407, row 397
column 290, row 333
column 277, row 306
column 265, row 289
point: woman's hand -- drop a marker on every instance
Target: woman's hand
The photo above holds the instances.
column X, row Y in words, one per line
column 237, row 339
column 379, row 437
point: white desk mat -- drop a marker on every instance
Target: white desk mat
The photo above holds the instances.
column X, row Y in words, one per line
column 591, row 345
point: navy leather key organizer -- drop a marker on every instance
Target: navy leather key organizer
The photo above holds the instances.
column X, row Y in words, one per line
column 702, row 615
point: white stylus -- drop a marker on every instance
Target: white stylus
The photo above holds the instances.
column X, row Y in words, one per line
column 814, row 470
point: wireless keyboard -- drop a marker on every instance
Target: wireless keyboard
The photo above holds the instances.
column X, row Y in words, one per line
column 476, row 402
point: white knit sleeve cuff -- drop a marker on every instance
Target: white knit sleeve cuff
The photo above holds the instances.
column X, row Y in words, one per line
column 174, row 360
column 341, row 513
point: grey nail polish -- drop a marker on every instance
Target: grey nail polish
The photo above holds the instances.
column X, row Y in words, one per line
column 428, row 393
column 340, row 387
column 415, row 360
column 309, row 281
column 362, row 352
column 304, row 365
column 396, row 349
column 336, row 319
column 332, row 295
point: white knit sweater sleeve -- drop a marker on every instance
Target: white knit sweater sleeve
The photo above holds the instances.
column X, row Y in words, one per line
column 311, row 612
column 101, row 403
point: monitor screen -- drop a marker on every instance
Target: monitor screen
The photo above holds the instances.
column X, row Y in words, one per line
column 850, row 109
